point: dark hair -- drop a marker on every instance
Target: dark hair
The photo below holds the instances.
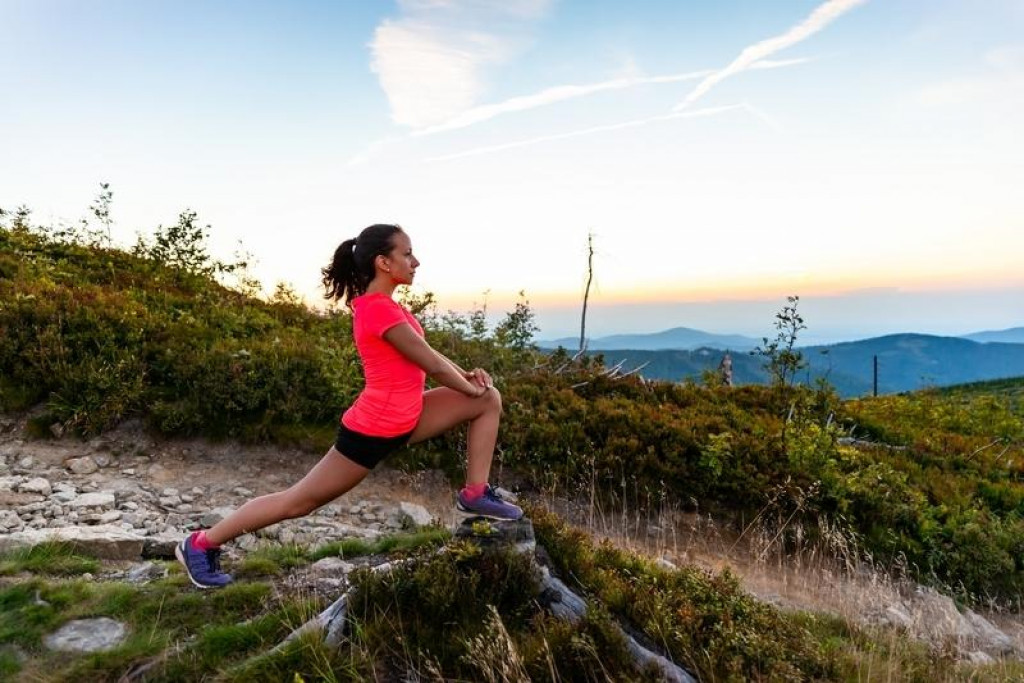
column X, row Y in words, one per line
column 351, row 269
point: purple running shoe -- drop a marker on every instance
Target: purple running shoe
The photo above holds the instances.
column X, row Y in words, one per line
column 202, row 567
column 489, row 504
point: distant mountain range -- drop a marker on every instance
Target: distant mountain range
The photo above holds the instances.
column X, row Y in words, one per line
column 905, row 362
column 1014, row 335
column 678, row 338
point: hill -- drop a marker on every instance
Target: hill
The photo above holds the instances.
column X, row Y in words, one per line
column 677, row 338
column 907, row 362
column 1014, row 335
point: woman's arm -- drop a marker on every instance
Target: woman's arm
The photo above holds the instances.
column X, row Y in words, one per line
column 437, row 367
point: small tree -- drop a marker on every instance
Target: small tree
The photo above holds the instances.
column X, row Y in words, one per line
column 516, row 330
column 782, row 361
column 100, row 208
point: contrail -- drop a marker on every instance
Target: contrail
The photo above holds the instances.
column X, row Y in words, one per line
column 560, row 93
column 821, row 17
column 551, row 95
column 709, row 111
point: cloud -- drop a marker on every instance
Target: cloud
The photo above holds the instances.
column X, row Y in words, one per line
column 431, row 61
column 821, row 17
column 709, row 111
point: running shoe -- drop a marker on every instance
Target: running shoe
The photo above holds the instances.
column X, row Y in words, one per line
column 489, row 504
column 202, row 567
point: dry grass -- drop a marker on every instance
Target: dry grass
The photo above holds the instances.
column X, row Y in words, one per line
column 821, row 569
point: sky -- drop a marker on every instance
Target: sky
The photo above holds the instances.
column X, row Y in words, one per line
column 865, row 155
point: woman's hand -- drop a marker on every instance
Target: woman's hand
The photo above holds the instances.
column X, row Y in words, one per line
column 479, row 377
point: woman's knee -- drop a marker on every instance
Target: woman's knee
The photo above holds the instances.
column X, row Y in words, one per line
column 493, row 398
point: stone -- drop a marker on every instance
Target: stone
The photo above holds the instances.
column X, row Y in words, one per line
column 11, row 499
column 146, row 572
column 979, row 658
column 102, row 460
column 83, row 465
column 413, row 514
column 110, row 517
column 87, row 635
column 665, row 564
column 215, row 515
column 10, row 483
column 331, row 566
column 10, row 520
column 38, row 485
column 161, row 545
column 242, row 491
column 103, row 542
column 26, row 462
column 985, row 634
column 491, row 533
column 65, row 496
column 93, row 500
column 128, row 472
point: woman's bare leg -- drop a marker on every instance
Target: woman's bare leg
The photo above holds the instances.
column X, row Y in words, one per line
column 444, row 408
column 331, row 477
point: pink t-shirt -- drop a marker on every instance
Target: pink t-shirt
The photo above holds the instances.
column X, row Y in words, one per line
column 391, row 402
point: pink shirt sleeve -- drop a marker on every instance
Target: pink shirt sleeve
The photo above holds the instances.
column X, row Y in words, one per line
column 381, row 314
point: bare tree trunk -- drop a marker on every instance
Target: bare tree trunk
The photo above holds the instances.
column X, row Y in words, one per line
column 586, row 293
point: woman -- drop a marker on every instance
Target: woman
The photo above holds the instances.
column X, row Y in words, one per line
column 391, row 411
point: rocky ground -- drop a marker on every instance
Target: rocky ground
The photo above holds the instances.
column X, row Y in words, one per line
column 129, row 497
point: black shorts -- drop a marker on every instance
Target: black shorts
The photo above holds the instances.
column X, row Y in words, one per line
column 367, row 450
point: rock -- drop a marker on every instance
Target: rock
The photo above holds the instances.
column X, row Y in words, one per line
column 664, row 563
column 10, row 483
column 490, row 533
column 102, row 460
column 110, row 516
column 331, row 566
column 10, row 520
column 414, row 515
column 26, row 462
column 146, row 572
column 242, row 491
column 83, row 465
column 128, row 472
column 92, row 500
column 103, row 542
column 170, row 501
column 161, row 545
column 11, row 499
column 37, row 485
column 984, row 634
column 65, row 496
column 57, row 429
column 979, row 658
column 215, row 515
column 897, row 615
column 87, row 635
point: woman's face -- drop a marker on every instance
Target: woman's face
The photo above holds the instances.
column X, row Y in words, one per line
column 400, row 263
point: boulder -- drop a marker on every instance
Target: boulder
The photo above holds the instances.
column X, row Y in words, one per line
column 93, row 500
column 87, row 635
column 414, row 515
column 103, row 542
column 37, row 485
column 83, row 465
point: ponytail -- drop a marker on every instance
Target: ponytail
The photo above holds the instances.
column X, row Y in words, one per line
column 351, row 270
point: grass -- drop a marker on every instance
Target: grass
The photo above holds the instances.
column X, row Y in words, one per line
column 50, row 559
